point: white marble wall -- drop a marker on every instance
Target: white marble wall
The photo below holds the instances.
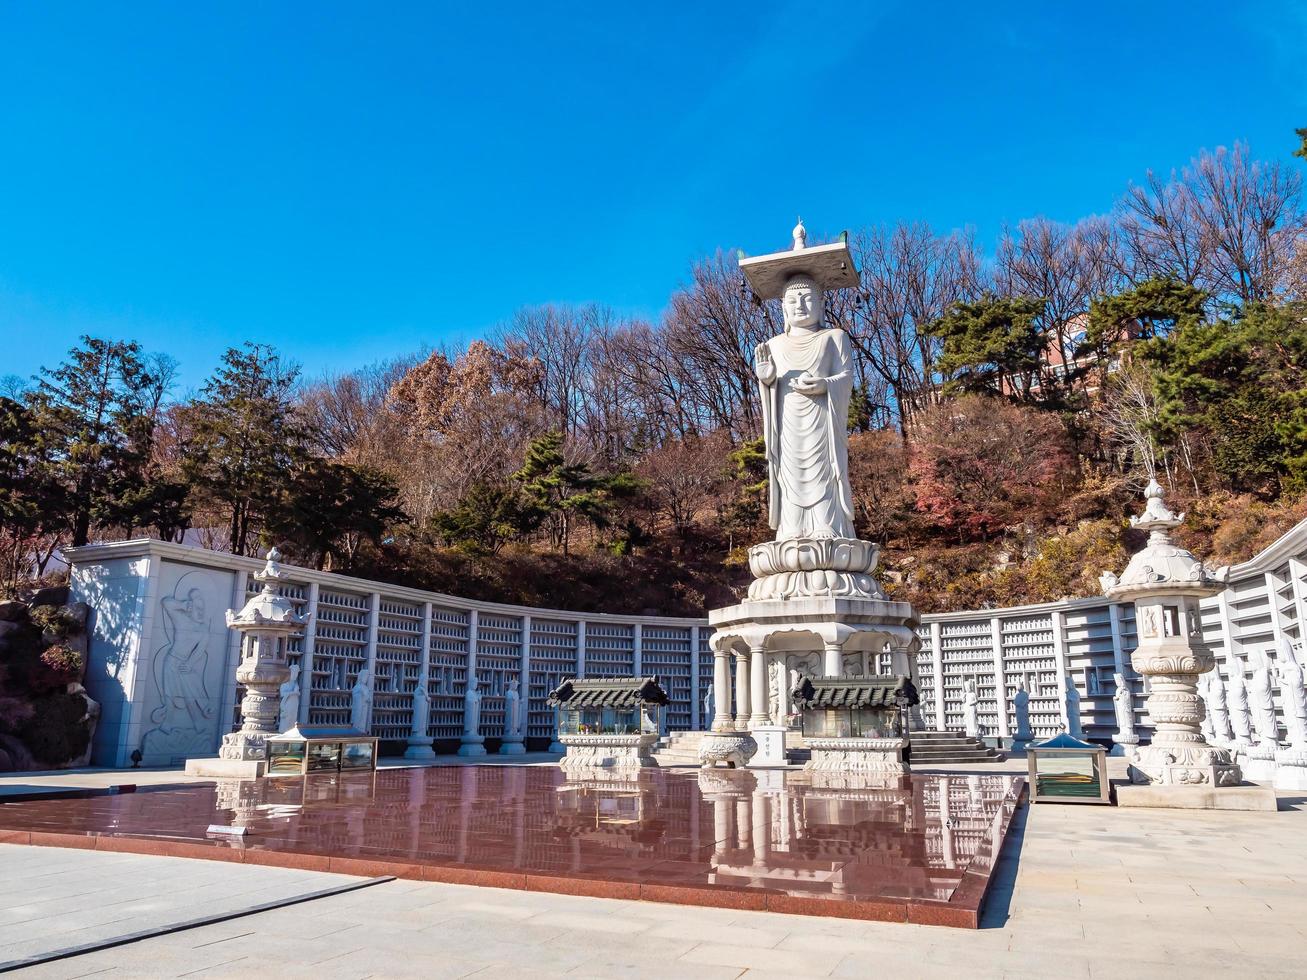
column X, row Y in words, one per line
column 403, row 635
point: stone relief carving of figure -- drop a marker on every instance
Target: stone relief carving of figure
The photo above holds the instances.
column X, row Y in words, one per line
column 1216, row 707
column 360, row 702
column 1123, row 702
column 1261, row 701
column 512, row 709
column 775, row 680
column 805, row 379
column 1237, row 701
column 184, row 718
column 1074, row 728
column 421, row 710
column 1292, row 694
column 971, row 710
column 472, row 707
column 1148, row 622
column 290, row 701
column 1021, row 706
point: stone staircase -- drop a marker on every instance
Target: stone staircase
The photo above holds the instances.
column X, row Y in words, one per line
column 931, row 749
column 678, row 749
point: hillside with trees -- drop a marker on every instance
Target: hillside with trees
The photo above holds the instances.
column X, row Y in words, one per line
column 1008, row 409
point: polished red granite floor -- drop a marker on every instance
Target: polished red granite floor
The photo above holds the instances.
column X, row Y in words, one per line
column 916, row 849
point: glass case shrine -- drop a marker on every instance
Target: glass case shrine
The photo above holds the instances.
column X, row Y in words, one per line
column 1064, row 769
column 609, row 722
column 306, row 749
column 853, row 724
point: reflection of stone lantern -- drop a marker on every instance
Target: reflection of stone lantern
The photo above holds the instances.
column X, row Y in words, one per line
column 1166, row 583
column 266, row 623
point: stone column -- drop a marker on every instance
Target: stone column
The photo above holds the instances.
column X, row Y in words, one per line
column 1000, row 679
column 1124, row 740
column 937, row 655
column 419, row 740
column 306, row 654
column 758, row 686
column 695, row 703
column 741, row 692
column 721, row 687
column 833, row 660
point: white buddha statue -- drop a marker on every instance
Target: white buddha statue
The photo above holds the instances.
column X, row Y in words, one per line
column 806, row 378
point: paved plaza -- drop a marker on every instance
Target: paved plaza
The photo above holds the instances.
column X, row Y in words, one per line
column 1080, row 891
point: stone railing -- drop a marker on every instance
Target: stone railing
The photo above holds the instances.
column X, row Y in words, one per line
column 162, row 662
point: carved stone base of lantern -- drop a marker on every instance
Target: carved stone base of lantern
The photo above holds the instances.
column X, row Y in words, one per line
column 1197, row 764
column 735, row 749
column 608, row 752
column 801, row 567
column 1258, row 762
column 870, row 755
column 419, row 748
column 1291, row 768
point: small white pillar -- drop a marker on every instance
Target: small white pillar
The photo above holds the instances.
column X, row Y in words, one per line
column 758, row 686
column 742, row 692
column 721, row 721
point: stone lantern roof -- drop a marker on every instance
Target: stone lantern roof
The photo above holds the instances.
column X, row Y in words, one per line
column 268, row 609
column 1162, row 567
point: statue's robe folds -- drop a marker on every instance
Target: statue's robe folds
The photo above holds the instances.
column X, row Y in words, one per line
column 808, row 436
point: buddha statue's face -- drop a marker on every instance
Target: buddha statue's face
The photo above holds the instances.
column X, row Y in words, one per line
column 803, row 306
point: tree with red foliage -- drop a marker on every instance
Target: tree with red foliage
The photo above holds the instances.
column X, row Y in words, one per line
column 981, row 463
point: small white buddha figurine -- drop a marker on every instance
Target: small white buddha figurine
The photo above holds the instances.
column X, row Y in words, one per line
column 512, row 710
column 290, row 700
column 360, row 702
column 805, row 380
column 971, row 710
column 421, row 710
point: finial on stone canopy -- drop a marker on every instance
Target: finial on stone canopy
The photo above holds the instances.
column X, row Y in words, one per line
column 829, row 266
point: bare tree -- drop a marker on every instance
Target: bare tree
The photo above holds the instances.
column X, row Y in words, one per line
column 910, row 276
column 1068, row 267
column 1225, row 223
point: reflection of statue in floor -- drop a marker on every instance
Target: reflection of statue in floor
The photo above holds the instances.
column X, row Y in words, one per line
column 184, row 718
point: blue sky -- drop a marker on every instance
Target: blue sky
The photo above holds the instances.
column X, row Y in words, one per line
column 353, row 181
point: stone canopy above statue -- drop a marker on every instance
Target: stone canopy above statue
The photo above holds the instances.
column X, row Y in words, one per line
column 829, row 266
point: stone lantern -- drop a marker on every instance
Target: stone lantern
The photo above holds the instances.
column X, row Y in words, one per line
column 1166, row 582
column 265, row 623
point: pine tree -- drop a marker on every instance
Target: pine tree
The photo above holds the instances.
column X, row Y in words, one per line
column 992, row 346
column 90, row 412
column 558, row 491
column 245, row 440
